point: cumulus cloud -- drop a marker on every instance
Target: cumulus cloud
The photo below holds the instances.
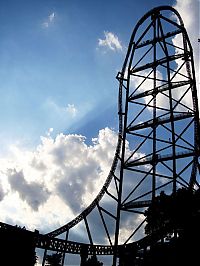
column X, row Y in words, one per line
column 63, row 174
column 189, row 11
column 128, row 224
column 111, row 41
column 49, row 20
column 54, row 182
column 33, row 193
column 2, row 192
column 148, row 84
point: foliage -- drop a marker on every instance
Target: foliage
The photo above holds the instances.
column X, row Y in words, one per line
column 54, row 259
column 92, row 261
column 172, row 210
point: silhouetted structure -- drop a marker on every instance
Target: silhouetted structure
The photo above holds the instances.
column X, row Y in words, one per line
column 155, row 180
column 54, row 259
column 159, row 116
column 17, row 246
column 171, row 249
column 92, row 261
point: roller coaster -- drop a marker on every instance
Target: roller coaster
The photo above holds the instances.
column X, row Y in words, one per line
column 156, row 154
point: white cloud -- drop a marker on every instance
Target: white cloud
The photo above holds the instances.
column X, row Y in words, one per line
column 60, row 115
column 33, row 193
column 52, row 183
column 148, row 84
column 111, row 41
column 127, row 229
column 50, row 130
column 71, row 109
column 189, row 11
column 61, row 111
column 2, row 192
column 49, row 20
column 63, row 174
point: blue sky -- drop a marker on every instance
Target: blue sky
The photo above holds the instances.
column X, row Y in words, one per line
column 59, row 122
column 53, row 72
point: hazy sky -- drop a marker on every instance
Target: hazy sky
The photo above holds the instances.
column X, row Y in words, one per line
column 58, row 62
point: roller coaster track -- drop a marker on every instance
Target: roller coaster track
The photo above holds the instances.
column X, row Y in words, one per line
column 167, row 119
column 81, row 216
column 71, row 247
column 158, row 80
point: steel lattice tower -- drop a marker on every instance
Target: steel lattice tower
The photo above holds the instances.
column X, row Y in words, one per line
column 157, row 149
column 160, row 115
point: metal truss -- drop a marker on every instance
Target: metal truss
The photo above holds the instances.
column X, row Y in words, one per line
column 158, row 142
column 160, row 117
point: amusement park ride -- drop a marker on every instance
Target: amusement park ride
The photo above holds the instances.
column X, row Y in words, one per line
column 148, row 209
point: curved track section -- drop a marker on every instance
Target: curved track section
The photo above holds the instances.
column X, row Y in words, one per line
column 88, row 210
column 160, row 119
column 158, row 139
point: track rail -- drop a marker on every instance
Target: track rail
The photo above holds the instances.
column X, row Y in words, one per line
column 122, row 77
column 94, row 203
column 127, row 128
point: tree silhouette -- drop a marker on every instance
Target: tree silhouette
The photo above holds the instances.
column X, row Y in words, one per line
column 92, row 261
column 176, row 210
column 54, row 259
